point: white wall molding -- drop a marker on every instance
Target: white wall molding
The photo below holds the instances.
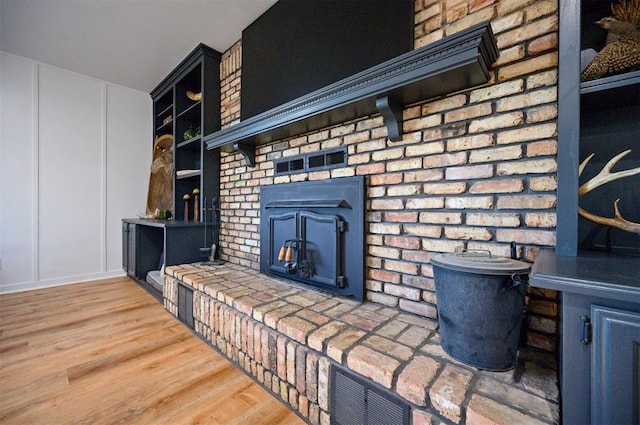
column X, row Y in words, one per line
column 77, row 158
column 103, row 176
column 36, row 177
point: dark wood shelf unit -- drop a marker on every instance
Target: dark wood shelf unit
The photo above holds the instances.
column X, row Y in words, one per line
column 595, row 268
column 199, row 73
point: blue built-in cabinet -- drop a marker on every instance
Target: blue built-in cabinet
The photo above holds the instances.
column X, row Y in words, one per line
column 149, row 244
column 614, row 388
column 595, row 268
column 599, row 334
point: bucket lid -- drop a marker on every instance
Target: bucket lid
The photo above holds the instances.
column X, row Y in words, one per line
column 481, row 262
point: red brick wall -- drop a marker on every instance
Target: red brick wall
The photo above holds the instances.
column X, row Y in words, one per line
column 230, row 68
column 475, row 169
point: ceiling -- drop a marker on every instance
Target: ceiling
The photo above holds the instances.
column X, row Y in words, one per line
column 133, row 43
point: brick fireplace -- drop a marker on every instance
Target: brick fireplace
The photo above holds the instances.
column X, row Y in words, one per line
column 474, row 169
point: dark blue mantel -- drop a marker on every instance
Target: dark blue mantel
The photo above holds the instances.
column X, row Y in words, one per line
column 456, row 62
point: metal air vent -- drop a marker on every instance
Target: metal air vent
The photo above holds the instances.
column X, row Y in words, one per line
column 312, row 162
column 357, row 401
column 185, row 305
column 327, row 159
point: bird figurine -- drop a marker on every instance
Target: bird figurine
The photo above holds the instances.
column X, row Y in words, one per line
column 620, row 54
column 617, row 29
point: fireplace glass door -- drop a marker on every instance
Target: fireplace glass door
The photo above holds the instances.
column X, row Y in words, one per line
column 308, row 246
column 312, row 232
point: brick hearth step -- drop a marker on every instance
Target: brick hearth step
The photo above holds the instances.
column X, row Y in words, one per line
column 288, row 338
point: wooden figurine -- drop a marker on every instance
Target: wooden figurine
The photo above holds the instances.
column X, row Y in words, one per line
column 186, row 198
column 196, row 207
column 160, row 191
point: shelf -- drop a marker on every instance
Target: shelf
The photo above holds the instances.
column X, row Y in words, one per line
column 165, row 127
column 164, row 223
column 192, row 113
column 164, row 111
column 591, row 273
column 188, row 174
column 454, row 63
column 607, row 83
column 190, row 143
column 616, row 91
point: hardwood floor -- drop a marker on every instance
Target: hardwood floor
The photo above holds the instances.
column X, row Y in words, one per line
column 106, row 352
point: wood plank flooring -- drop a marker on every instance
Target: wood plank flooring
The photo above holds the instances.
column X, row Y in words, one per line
column 106, row 352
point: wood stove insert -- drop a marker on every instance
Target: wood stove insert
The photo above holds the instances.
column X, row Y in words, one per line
column 312, row 232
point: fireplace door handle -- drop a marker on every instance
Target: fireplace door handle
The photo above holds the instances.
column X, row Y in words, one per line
column 289, row 252
column 281, row 253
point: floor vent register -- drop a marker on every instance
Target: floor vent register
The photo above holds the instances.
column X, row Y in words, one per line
column 357, row 401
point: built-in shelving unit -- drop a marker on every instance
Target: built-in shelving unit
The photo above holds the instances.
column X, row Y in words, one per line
column 599, row 117
column 609, row 125
column 187, row 106
column 595, row 267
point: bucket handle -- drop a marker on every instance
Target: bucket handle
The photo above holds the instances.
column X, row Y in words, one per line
column 515, row 281
column 462, row 252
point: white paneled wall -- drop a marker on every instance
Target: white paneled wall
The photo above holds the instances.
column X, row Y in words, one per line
column 70, row 195
column 18, row 170
column 74, row 159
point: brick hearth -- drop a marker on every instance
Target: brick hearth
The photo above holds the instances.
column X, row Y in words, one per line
column 287, row 337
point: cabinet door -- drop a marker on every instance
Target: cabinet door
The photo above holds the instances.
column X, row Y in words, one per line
column 132, row 249
column 125, row 246
column 129, row 248
column 615, row 366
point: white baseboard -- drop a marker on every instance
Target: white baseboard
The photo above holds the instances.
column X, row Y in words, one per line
column 29, row 286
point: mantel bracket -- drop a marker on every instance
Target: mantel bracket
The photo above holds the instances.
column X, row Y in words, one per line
column 392, row 113
column 248, row 152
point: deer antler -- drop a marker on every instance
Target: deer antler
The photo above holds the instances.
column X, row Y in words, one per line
column 603, row 177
